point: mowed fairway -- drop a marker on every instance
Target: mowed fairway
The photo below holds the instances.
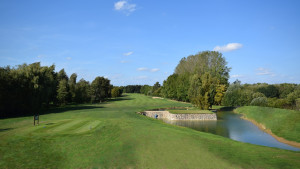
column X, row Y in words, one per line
column 112, row 135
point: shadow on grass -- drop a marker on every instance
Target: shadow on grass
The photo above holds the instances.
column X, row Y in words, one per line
column 119, row 99
column 5, row 129
column 70, row 108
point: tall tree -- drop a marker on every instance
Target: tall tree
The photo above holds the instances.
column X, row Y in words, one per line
column 72, row 87
column 100, row 89
column 197, row 78
column 82, row 92
column 63, row 92
column 62, row 75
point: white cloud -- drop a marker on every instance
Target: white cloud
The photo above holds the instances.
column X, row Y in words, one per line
column 147, row 69
column 68, row 58
column 264, row 71
column 119, row 5
column 236, row 76
column 125, row 6
column 128, row 54
column 154, row 70
column 124, row 61
column 142, row 69
column 229, row 47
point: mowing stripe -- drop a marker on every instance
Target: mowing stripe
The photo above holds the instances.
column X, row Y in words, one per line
column 89, row 126
column 66, row 126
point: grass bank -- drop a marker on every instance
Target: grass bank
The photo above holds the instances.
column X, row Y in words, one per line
column 189, row 110
column 112, row 135
column 281, row 122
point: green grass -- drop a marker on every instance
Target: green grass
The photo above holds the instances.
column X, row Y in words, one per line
column 217, row 107
column 283, row 123
column 193, row 111
column 112, row 135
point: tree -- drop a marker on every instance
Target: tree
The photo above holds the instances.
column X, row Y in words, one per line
column 232, row 96
column 197, row 78
column 146, row 90
column 82, row 91
column 62, row 75
column 156, row 89
column 260, row 101
column 62, row 92
column 100, row 89
column 201, row 91
column 292, row 97
column 206, row 61
column 182, row 87
column 30, row 89
column 72, row 87
column 132, row 89
column 221, row 89
column 26, row 89
column 269, row 91
column 115, row 92
column 169, row 89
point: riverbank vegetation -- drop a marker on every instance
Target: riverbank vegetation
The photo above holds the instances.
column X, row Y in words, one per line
column 283, row 123
column 111, row 135
column 286, row 96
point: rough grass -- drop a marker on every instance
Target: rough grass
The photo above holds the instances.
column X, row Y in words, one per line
column 112, row 135
column 283, row 123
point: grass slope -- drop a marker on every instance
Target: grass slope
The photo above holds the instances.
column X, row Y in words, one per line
column 112, row 135
column 284, row 123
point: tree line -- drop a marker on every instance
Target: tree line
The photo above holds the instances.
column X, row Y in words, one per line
column 202, row 79
column 283, row 95
column 30, row 89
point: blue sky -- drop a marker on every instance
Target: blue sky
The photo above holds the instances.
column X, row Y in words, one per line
column 141, row 42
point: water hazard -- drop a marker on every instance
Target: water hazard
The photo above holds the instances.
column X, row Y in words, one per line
column 232, row 126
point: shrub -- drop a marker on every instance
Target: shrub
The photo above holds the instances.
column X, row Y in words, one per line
column 259, row 101
column 278, row 103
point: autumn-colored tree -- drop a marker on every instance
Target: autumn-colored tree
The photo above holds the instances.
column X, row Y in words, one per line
column 221, row 89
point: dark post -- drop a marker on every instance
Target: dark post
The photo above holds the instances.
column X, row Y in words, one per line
column 36, row 118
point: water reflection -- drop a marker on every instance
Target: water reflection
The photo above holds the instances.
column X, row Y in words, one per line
column 232, row 126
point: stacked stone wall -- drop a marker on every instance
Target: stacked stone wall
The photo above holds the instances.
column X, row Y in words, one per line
column 170, row 116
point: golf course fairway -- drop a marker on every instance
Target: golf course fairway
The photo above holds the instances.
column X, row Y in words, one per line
column 113, row 135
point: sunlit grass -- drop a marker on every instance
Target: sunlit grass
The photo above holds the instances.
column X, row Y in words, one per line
column 113, row 135
column 282, row 122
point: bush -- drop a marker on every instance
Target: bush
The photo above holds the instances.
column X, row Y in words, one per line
column 259, row 101
column 258, row 94
column 278, row 103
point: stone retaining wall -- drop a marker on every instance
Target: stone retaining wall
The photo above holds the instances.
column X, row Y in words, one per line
column 170, row 116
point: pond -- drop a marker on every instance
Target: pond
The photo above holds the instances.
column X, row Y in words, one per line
column 230, row 125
